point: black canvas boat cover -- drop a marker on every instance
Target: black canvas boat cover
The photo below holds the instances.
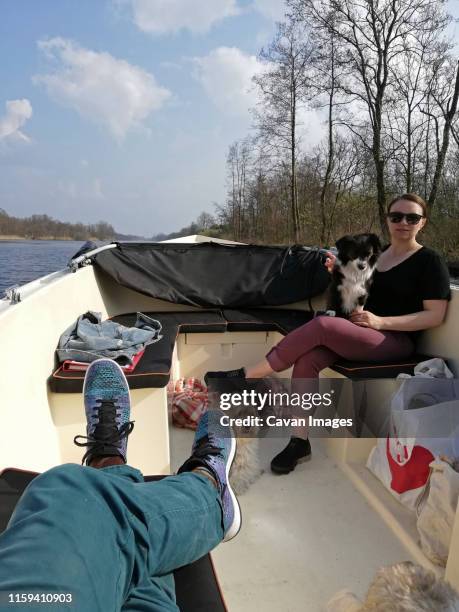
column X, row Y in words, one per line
column 211, row 274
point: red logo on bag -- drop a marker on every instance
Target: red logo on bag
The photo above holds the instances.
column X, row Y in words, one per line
column 412, row 474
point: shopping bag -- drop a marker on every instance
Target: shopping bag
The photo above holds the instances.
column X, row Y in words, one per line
column 424, row 424
column 436, row 511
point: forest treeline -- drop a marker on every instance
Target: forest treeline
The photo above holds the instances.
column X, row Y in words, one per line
column 383, row 81
column 43, row 226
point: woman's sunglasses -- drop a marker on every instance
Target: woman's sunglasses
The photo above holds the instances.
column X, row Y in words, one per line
column 411, row 218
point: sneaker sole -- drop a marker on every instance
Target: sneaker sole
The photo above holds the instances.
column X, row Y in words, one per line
column 276, row 470
column 237, row 520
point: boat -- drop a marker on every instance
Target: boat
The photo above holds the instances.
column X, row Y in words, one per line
column 329, row 525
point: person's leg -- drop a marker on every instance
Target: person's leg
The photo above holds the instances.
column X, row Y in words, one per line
column 309, row 365
column 69, row 535
column 153, row 594
column 342, row 337
column 94, row 533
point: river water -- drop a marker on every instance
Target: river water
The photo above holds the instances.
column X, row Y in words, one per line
column 22, row 261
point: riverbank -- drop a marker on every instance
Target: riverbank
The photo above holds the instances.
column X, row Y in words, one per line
column 47, row 238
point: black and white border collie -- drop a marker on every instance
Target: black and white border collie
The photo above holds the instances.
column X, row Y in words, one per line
column 353, row 273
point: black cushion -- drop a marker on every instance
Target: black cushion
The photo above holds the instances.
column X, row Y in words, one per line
column 153, row 370
column 383, row 369
column 196, row 585
column 269, row 319
column 201, row 321
column 12, row 484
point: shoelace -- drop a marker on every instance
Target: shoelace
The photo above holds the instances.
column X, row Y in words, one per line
column 106, row 434
column 205, row 448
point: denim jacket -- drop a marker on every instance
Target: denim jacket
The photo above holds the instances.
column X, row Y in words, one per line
column 90, row 338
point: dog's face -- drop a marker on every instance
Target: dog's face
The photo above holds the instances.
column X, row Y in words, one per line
column 359, row 251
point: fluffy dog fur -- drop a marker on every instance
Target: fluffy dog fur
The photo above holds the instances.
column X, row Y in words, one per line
column 246, row 468
column 246, row 465
column 353, row 273
column 404, row 587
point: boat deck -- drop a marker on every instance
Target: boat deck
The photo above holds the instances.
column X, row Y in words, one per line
column 306, row 535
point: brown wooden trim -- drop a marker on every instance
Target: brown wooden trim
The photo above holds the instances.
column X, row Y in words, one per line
column 369, row 367
column 218, row 582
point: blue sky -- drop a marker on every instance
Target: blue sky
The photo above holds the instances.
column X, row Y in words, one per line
column 123, row 110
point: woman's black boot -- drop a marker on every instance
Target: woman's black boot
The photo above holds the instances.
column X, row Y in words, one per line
column 297, row 450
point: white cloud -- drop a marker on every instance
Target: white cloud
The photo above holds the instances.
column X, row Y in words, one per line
column 164, row 16
column 100, row 87
column 271, row 9
column 17, row 113
column 226, row 74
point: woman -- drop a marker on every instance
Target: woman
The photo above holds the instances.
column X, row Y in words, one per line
column 410, row 292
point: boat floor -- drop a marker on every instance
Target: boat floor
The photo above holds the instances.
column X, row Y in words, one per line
column 306, row 535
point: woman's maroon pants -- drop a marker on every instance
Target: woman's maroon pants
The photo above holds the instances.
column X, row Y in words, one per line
column 323, row 340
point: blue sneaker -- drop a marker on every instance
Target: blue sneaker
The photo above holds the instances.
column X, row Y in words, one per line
column 108, row 406
column 214, row 449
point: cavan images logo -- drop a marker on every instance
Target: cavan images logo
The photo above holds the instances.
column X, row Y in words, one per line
column 277, row 409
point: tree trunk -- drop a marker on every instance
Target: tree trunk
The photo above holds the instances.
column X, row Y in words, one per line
column 449, row 116
column 326, row 183
column 293, row 185
column 379, row 165
column 409, row 161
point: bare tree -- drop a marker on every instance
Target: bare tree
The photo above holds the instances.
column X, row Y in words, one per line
column 448, row 103
column 372, row 35
column 237, row 163
column 406, row 124
column 282, row 87
column 325, row 94
column 205, row 221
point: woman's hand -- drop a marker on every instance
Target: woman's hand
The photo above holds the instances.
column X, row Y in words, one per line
column 365, row 318
column 330, row 261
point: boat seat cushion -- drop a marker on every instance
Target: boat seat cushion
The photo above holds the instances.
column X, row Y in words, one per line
column 383, row 369
column 196, row 585
column 153, row 370
column 266, row 319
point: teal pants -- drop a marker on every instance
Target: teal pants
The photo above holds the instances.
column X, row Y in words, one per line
column 107, row 538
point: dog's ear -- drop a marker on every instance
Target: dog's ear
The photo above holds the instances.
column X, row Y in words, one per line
column 375, row 243
column 343, row 242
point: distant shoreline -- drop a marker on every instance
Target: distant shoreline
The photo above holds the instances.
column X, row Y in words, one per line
column 66, row 238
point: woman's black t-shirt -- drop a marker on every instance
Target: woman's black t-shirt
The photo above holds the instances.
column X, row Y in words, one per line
column 402, row 289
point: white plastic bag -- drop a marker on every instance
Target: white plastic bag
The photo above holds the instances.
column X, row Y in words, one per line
column 437, row 511
column 424, row 425
column 431, row 368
